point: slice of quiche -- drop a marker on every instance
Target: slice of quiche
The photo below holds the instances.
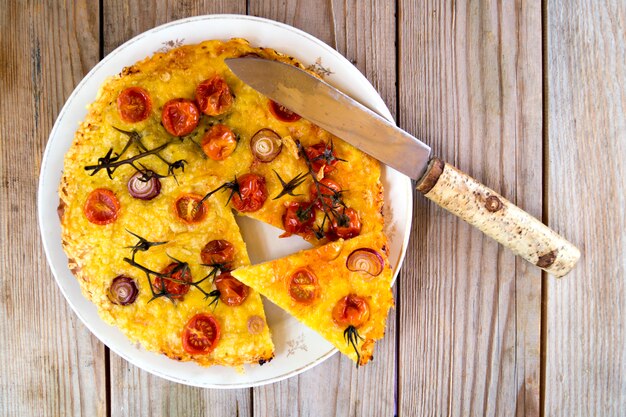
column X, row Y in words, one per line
column 342, row 290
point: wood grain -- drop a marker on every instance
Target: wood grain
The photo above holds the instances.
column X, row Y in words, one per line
column 49, row 362
column 365, row 34
column 134, row 391
column 586, row 339
column 471, row 85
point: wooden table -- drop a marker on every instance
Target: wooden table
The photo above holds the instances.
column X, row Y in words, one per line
column 528, row 96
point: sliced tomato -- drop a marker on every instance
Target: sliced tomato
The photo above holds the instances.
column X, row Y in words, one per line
column 322, row 155
column 176, row 284
column 232, row 291
column 101, row 206
column 282, row 113
column 201, row 334
column 298, row 218
column 189, row 209
column 329, row 189
column 351, row 310
column 219, row 142
column 218, row 252
column 180, row 116
column 252, row 193
column 134, row 104
column 346, row 226
column 303, row 286
column 214, row 96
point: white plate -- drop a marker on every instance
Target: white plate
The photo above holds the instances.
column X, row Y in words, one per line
column 297, row 347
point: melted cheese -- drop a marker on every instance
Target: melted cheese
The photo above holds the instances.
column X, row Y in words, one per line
column 335, row 281
column 96, row 252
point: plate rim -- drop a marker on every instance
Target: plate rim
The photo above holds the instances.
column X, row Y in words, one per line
column 46, row 158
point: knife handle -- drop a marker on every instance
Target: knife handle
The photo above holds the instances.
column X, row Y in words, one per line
column 497, row 217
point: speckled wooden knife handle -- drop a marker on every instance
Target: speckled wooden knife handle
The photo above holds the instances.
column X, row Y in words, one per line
column 498, row 218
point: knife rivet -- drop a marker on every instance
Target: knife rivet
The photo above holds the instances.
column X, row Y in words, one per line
column 493, row 203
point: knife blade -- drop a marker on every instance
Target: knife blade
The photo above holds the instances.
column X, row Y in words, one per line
column 437, row 180
column 335, row 112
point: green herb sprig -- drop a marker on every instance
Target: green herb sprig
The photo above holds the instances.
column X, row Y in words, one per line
column 352, row 337
column 112, row 160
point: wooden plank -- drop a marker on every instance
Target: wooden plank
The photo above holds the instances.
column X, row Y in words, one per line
column 134, row 391
column 49, row 361
column 586, row 338
column 470, row 83
column 365, row 35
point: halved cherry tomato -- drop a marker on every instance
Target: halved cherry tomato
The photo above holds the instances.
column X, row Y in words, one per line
column 329, row 190
column 252, row 193
column 351, row 310
column 214, row 96
column 201, row 334
column 101, row 206
column 218, row 252
column 189, row 209
column 322, row 155
column 232, row 291
column 176, row 285
column 283, row 113
column 219, row 142
column 303, row 286
column 180, row 116
column 347, row 226
column 134, row 104
column 298, row 218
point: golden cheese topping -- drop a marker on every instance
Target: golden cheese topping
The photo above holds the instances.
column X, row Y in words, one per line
column 183, row 123
column 317, row 287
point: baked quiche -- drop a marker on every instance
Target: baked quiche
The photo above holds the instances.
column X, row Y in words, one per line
column 342, row 290
column 170, row 150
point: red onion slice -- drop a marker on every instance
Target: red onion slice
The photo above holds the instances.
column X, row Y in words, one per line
column 123, row 290
column 365, row 260
column 144, row 186
column 266, row 145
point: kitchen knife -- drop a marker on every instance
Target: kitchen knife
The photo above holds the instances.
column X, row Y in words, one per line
column 447, row 186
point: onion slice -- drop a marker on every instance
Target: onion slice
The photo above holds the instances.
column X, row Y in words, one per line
column 266, row 145
column 256, row 324
column 366, row 260
column 144, row 186
column 123, row 290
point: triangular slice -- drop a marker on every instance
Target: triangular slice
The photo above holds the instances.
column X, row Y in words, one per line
column 342, row 290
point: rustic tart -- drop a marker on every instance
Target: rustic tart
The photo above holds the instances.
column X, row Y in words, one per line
column 171, row 149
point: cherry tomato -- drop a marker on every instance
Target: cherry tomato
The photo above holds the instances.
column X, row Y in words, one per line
column 219, row 142
column 218, row 252
column 328, row 188
column 347, row 226
column 283, row 113
column 189, row 209
column 201, row 334
column 351, row 310
column 180, row 116
column 134, row 104
column 175, row 285
column 101, row 206
column 253, row 193
column 322, row 155
column 214, row 96
column 303, row 286
column 232, row 291
column 298, row 218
